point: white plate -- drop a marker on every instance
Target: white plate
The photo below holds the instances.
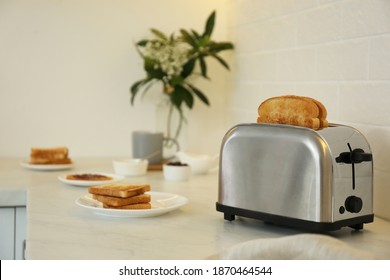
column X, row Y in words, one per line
column 86, row 183
column 161, row 203
column 46, row 167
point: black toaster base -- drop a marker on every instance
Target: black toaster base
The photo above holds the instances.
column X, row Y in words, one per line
column 356, row 223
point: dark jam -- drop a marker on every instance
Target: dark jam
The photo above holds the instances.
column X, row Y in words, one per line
column 177, row 163
column 88, row 177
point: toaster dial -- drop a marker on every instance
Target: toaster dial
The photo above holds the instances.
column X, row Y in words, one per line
column 353, row 204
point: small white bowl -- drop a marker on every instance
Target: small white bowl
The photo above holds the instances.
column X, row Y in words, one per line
column 131, row 167
column 176, row 172
column 200, row 163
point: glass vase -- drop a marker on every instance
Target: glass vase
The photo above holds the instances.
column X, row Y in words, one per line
column 173, row 124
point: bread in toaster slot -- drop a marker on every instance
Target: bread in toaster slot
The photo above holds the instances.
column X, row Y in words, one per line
column 293, row 110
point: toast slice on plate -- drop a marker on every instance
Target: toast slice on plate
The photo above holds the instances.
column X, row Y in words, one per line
column 130, row 206
column 120, row 201
column 119, row 190
column 122, row 196
column 55, row 155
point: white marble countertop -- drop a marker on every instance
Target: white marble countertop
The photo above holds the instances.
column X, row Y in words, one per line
column 57, row 228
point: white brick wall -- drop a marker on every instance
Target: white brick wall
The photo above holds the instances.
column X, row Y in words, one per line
column 337, row 51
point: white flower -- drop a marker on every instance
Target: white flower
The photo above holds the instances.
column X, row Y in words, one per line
column 170, row 57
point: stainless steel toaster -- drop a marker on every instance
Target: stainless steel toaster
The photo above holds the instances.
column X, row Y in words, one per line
column 298, row 177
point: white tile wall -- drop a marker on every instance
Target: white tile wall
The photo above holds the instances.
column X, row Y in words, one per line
column 379, row 58
column 337, row 51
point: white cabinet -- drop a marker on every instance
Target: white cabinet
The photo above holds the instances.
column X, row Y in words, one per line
column 7, row 229
column 20, row 232
column 12, row 232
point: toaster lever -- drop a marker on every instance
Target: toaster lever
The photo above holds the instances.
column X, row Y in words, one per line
column 356, row 156
column 352, row 157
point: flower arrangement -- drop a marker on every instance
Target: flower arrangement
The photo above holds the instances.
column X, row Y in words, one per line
column 171, row 60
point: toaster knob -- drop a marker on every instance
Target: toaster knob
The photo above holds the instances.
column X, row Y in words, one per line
column 353, row 204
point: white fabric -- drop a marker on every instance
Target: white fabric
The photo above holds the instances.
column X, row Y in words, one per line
column 296, row 247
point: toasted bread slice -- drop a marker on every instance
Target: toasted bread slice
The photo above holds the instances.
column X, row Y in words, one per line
column 313, row 123
column 130, row 206
column 56, row 155
column 290, row 109
column 57, row 152
column 323, row 113
column 119, row 190
column 120, row 201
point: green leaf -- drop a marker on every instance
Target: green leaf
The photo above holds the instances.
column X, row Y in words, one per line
column 222, row 46
column 203, row 66
column 136, row 87
column 148, row 85
column 204, row 41
column 142, row 43
column 176, row 80
column 159, row 34
column 223, row 62
column 148, row 64
column 188, row 68
column 199, row 94
column 176, row 99
column 196, row 34
column 180, row 95
column 137, row 48
column 209, row 25
column 188, row 38
column 154, row 73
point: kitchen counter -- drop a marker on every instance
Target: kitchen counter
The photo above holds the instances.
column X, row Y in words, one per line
column 57, row 228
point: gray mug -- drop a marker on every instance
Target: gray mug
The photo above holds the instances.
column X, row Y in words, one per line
column 149, row 145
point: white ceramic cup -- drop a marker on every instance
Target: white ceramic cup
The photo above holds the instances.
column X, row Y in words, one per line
column 200, row 163
column 176, row 173
column 130, row 167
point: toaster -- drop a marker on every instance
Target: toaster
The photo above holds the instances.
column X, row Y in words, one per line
column 297, row 177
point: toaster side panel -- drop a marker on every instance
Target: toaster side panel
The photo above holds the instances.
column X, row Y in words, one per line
column 353, row 183
column 279, row 170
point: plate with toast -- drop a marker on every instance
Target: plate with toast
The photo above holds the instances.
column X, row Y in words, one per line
column 160, row 203
column 46, row 159
column 87, row 179
column 46, row 167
